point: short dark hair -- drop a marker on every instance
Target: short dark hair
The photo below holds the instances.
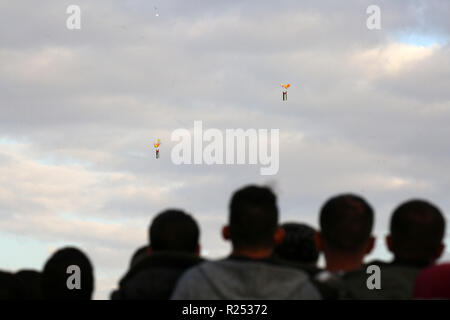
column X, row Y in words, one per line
column 253, row 217
column 174, row 230
column 298, row 244
column 55, row 276
column 417, row 229
column 346, row 222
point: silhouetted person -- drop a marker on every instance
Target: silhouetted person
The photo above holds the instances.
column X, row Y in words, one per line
column 173, row 248
column 298, row 245
column 417, row 230
column 11, row 287
column 346, row 223
column 416, row 233
column 138, row 255
column 61, row 282
column 32, row 282
column 433, row 283
column 249, row 272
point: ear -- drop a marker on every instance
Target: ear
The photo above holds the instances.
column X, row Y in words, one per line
column 389, row 243
column 279, row 236
column 318, row 240
column 226, row 234
column 370, row 245
column 198, row 250
column 149, row 249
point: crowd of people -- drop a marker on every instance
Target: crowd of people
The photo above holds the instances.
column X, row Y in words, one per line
column 268, row 260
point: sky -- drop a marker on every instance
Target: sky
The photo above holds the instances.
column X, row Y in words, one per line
column 367, row 113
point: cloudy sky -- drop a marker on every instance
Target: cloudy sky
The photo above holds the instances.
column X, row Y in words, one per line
column 368, row 112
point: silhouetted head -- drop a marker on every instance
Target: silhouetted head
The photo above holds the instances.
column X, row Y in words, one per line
column 253, row 219
column 68, row 275
column 174, row 230
column 346, row 224
column 417, row 230
column 11, row 288
column 298, row 244
column 32, row 282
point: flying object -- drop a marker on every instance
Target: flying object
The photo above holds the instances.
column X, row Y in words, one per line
column 285, row 86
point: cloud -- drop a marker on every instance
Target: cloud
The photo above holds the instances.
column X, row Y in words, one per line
column 393, row 58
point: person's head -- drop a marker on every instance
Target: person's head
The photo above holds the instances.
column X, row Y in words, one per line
column 68, row 275
column 253, row 220
column 346, row 223
column 416, row 232
column 298, row 244
column 174, row 230
column 32, row 281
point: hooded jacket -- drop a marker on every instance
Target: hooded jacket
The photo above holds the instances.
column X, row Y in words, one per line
column 238, row 278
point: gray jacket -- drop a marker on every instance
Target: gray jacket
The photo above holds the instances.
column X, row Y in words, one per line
column 240, row 278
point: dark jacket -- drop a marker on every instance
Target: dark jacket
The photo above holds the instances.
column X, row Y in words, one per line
column 397, row 282
column 399, row 277
column 155, row 276
column 327, row 291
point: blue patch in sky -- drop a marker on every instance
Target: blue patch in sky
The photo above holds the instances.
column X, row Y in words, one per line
column 53, row 161
column 8, row 141
column 27, row 252
column 21, row 252
column 420, row 39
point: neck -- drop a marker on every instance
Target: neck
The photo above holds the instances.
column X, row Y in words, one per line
column 343, row 262
column 254, row 253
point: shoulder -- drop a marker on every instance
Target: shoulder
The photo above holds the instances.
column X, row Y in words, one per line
column 197, row 271
column 190, row 283
column 11, row 287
